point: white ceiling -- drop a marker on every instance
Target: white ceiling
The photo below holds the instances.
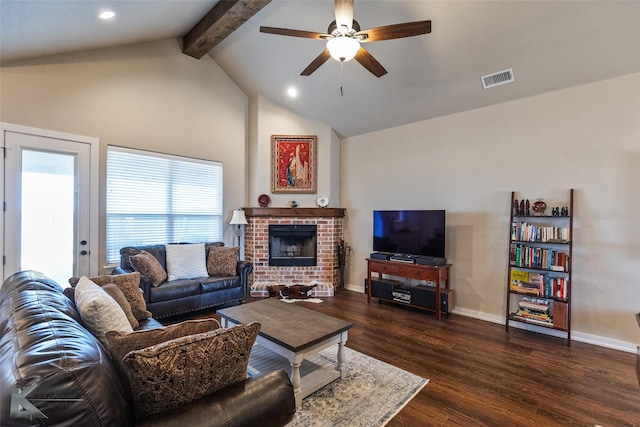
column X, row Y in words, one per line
column 550, row 45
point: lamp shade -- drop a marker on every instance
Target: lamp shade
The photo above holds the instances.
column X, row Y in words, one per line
column 343, row 48
column 238, row 217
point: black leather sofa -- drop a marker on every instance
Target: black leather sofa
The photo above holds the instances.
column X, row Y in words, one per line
column 186, row 295
column 51, row 366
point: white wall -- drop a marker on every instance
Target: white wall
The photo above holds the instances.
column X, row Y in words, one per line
column 587, row 138
column 147, row 96
column 268, row 118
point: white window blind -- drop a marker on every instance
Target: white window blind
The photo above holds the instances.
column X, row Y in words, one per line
column 157, row 198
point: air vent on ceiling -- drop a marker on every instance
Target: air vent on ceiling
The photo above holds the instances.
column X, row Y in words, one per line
column 497, row 79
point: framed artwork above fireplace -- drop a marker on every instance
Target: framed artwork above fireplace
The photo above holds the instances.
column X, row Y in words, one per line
column 294, row 164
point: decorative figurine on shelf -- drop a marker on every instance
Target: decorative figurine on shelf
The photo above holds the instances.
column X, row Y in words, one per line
column 522, row 211
column 528, row 208
column 564, row 211
column 516, row 209
column 555, row 211
column 293, row 204
column 539, row 206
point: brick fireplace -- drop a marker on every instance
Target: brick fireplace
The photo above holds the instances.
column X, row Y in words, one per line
column 329, row 232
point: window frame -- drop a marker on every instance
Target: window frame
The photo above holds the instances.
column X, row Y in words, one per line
column 169, row 215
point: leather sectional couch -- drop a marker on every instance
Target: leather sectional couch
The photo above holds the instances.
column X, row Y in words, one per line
column 53, row 371
column 180, row 296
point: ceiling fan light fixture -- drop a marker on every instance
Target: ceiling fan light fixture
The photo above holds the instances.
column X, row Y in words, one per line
column 107, row 14
column 343, row 48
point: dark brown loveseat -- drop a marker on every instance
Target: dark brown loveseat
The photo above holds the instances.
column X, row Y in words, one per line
column 175, row 297
column 53, row 371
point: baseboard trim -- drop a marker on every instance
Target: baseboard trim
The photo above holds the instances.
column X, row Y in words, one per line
column 354, row 288
column 627, row 347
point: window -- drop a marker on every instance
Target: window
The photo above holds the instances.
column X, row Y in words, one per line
column 156, row 198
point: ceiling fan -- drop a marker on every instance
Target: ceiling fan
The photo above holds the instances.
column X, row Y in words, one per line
column 344, row 37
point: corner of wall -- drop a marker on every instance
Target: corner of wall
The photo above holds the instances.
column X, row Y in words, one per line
column 269, row 118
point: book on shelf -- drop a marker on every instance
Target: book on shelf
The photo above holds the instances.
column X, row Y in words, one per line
column 519, row 282
column 538, row 280
column 519, row 276
column 528, row 314
column 526, row 232
column 559, row 287
column 534, row 309
column 524, row 316
column 535, row 305
column 538, row 284
column 522, row 255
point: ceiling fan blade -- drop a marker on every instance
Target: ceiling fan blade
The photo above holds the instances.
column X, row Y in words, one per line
column 344, row 13
column 294, row 33
column 370, row 63
column 316, row 63
column 395, row 31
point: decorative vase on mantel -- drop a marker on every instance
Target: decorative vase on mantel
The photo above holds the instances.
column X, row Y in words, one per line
column 539, row 206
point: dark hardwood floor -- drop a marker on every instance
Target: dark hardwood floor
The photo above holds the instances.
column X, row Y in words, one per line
column 480, row 375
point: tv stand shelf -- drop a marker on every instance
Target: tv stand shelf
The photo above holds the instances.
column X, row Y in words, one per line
column 435, row 273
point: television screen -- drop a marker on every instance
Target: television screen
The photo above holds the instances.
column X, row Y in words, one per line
column 410, row 232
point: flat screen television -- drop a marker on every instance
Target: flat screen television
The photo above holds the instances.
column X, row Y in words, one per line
column 410, row 232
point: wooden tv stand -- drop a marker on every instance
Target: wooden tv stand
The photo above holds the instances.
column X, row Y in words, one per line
column 436, row 274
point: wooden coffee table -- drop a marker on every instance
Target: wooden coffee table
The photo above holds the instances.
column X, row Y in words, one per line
column 290, row 337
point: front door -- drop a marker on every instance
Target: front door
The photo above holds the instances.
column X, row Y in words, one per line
column 48, row 203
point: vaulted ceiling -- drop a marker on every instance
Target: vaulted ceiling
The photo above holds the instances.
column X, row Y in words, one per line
column 550, row 45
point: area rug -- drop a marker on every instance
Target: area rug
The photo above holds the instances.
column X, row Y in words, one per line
column 370, row 395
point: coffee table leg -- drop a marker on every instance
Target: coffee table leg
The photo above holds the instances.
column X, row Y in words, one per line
column 295, row 380
column 342, row 367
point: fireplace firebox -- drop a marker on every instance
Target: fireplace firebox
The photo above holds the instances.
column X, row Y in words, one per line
column 293, row 245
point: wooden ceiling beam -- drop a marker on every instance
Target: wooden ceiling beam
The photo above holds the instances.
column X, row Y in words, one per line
column 222, row 20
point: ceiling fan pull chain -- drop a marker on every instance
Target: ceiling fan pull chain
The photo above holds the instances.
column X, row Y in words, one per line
column 341, row 70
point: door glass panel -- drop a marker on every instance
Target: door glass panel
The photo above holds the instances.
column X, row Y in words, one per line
column 48, row 201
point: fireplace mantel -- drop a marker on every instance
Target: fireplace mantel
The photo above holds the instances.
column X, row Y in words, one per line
column 295, row 212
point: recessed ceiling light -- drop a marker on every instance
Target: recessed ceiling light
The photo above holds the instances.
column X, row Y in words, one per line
column 292, row 92
column 107, row 14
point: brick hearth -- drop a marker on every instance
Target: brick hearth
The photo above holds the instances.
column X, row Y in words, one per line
column 329, row 222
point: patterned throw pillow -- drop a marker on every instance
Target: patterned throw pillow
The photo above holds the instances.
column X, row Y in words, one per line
column 222, row 261
column 117, row 295
column 165, row 376
column 129, row 284
column 186, row 261
column 147, row 265
column 120, row 344
column 99, row 312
